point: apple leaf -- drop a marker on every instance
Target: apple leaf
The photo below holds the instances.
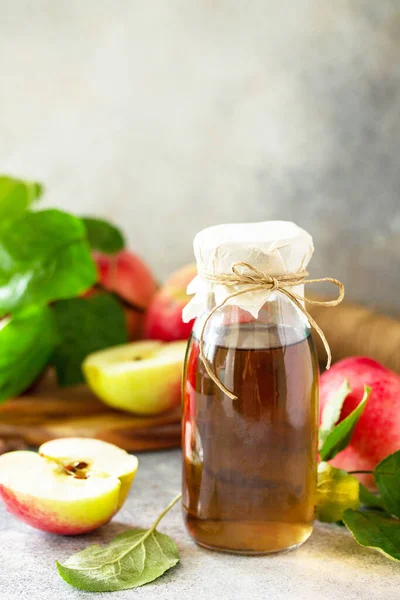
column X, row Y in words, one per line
column 370, row 500
column 337, row 490
column 132, row 559
column 26, row 344
column 16, row 196
column 103, row 236
column 332, row 410
column 375, row 530
column 44, row 256
column 86, row 325
column 340, row 436
column 387, row 477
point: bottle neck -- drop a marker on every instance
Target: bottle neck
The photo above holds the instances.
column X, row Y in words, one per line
column 276, row 301
column 278, row 311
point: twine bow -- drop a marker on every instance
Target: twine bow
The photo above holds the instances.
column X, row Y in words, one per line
column 256, row 280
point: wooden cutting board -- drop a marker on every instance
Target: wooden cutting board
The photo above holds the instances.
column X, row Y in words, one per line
column 50, row 412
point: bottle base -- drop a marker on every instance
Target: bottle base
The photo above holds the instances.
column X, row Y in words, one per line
column 249, row 552
column 248, row 537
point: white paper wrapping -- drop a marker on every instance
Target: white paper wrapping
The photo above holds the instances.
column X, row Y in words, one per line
column 272, row 247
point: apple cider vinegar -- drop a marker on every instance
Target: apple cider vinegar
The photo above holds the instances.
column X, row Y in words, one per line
column 250, row 389
column 249, row 469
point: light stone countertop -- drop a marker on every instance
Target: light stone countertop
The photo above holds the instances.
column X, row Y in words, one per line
column 330, row 566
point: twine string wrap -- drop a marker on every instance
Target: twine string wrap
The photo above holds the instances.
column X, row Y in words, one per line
column 255, row 280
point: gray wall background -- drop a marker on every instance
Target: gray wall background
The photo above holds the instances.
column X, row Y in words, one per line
column 171, row 115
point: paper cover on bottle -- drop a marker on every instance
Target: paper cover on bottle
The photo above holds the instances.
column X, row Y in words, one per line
column 272, row 247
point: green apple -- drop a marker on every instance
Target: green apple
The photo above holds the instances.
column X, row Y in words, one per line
column 66, row 494
column 141, row 377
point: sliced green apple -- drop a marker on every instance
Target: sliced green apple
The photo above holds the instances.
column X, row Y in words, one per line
column 141, row 377
column 66, row 493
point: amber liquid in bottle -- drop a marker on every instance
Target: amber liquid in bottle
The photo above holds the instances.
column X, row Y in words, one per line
column 249, row 468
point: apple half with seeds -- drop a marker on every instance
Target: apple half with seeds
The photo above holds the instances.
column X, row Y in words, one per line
column 142, row 377
column 71, row 486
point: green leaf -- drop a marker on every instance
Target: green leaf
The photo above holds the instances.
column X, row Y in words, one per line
column 340, row 436
column 332, row 410
column 26, row 344
column 375, row 530
column 387, row 477
column 132, row 559
column 369, row 499
column 103, row 236
column 16, row 196
column 44, row 256
column 337, row 490
column 86, row 325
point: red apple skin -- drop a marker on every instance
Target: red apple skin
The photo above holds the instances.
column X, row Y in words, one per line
column 164, row 315
column 128, row 276
column 131, row 279
column 135, row 323
column 32, row 515
column 377, row 433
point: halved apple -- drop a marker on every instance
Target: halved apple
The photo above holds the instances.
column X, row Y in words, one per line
column 66, row 493
column 141, row 377
column 101, row 457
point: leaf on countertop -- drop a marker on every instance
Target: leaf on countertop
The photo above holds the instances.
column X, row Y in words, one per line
column 337, row 490
column 340, row 436
column 375, row 530
column 332, row 410
column 387, row 477
column 86, row 325
column 369, row 499
column 103, row 236
column 16, row 196
column 132, row 559
column 26, row 344
column 44, row 256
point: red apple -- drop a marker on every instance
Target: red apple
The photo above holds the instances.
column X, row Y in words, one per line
column 377, row 433
column 73, row 485
column 128, row 276
column 164, row 315
column 131, row 279
column 134, row 322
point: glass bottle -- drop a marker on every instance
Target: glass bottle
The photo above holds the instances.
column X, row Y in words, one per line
column 250, row 463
